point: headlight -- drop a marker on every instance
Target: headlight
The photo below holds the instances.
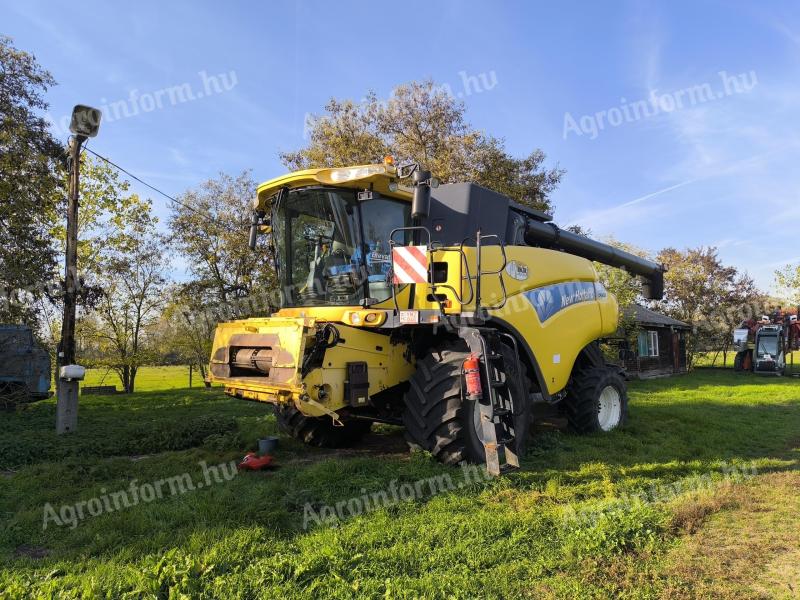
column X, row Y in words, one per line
column 339, row 175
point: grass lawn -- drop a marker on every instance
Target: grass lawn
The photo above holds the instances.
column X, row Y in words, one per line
column 147, row 379
column 707, row 359
column 696, row 497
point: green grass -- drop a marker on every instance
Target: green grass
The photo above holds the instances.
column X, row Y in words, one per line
column 706, row 359
column 512, row 537
column 147, row 379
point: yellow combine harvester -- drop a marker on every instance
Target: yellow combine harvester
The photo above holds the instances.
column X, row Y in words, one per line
column 450, row 309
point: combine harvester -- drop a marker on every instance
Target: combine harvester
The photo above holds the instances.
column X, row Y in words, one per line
column 767, row 346
column 449, row 309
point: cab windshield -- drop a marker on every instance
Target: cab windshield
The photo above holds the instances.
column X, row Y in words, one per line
column 768, row 344
column 333, row 249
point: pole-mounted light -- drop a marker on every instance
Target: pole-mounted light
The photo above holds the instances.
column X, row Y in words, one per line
column 85, row 124
column 85, row 121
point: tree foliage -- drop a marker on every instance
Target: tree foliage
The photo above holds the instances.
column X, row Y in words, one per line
column 712, row 297
column 132, row 273
column 788, row 280
column 424, row 123
column 210, row 228
column 109, row 212
column 626, row 287
column 28, row 157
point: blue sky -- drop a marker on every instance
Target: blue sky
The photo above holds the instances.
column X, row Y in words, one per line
column 706, row 163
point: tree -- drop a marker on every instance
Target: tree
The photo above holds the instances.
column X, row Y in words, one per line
column 423, row 123
column 788, row 279
column 625, row 286
column 740, row 302
column 700, row 290
column 108, row 212
column 28, row 157
column 108, row 215
column 210, row 228
column 132, row 275
column 183, row 333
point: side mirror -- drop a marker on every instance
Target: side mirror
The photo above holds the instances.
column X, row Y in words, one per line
column 421, row 203
column 255, row 223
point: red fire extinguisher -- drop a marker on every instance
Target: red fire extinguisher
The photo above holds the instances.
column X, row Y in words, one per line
column 472, row 376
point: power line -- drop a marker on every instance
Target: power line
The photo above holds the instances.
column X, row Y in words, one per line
column 155, row 189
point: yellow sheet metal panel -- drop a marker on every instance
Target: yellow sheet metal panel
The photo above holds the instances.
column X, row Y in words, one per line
column 285, row 338
column 378, row 181
column 578, row 317
column 388, row 364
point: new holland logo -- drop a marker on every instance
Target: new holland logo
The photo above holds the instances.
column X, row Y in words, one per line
column 410, row 264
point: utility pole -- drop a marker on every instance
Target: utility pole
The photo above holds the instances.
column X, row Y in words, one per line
column 71, row 270
column 85, row 124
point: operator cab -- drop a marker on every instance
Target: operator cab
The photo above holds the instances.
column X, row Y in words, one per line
column 768, row 356
column 332, row 247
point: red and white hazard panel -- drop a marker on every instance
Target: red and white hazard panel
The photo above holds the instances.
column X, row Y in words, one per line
column 410, row 264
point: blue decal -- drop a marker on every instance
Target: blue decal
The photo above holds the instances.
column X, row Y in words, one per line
column 550, row 299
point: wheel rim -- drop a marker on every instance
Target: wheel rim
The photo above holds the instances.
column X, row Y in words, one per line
column 609, row 409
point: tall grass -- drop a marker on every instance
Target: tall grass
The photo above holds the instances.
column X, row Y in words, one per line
column 594, row 516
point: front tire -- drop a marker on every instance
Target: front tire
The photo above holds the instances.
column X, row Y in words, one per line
column 438, row 419
column 597, row 400
column 320, row 431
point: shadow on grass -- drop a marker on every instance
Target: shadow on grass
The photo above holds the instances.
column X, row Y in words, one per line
column 690, row 432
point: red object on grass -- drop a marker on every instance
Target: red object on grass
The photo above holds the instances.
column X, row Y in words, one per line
column 254, row 462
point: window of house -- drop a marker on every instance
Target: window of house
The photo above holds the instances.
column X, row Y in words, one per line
column 648, row 343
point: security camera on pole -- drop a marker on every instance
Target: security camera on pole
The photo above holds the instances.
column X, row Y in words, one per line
column 85, row 124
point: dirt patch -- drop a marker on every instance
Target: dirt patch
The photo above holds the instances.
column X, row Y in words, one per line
column 31, row 551
column 782, row 576
column 384, row 444
column 690, row 514
column 749, row 547
column 138, row 457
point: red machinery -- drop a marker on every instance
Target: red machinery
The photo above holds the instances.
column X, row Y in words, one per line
column 764, row 345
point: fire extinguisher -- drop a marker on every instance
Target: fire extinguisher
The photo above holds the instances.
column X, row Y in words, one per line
column 472, row 376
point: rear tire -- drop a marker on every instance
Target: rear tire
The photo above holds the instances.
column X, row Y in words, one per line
column 597, row 400
column 320, row 431
column 439, row 420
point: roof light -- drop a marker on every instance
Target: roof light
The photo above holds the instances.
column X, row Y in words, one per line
column 388, row 159
column 350, row 173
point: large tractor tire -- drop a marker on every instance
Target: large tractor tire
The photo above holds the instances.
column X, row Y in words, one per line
column 320, row 431
column 597, row 400
column 439, row 420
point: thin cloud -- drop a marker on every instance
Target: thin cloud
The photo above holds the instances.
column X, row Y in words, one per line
column 604, row 215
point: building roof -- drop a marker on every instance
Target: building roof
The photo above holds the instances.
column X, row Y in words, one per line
column 645, row 316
